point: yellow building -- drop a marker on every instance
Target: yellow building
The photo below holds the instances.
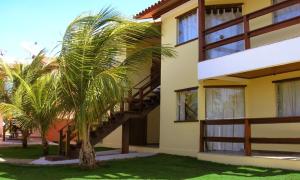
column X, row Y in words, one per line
column 232, row 94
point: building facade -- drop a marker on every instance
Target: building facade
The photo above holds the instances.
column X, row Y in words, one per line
column 234, row 86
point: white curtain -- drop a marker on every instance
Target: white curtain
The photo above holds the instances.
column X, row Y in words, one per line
column 181, row 106
column 188, row 28
column 214, row 19
column 288, row 95
column 225, row 103
column 286, row 13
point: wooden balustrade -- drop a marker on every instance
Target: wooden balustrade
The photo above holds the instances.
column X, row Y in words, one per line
column 247, row 140
column 65, row 138
column 61, row 142
column 143, row 88
column 245, row 20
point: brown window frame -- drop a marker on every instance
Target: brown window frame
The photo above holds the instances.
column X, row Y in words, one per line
column 178, row 120
column 178, row 18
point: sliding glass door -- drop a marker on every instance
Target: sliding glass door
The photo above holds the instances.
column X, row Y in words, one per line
column 225, row 103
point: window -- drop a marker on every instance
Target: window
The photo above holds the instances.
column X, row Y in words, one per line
column 219, row 16
column 288, row 98
column 187, row 27
column 286, row 13
column 225, row 103
column 187, row 105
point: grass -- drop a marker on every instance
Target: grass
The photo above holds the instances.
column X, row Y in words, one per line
column 32, row 152
column 156, row 167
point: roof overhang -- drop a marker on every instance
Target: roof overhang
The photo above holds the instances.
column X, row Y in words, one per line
column 159, row 8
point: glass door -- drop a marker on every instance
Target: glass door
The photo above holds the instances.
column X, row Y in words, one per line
column 225, row 103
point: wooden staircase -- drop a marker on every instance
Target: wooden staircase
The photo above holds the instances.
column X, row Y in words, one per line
column 141, row 100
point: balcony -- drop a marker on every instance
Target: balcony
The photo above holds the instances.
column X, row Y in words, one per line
column 247, row 140
column 252, row 156
column 255, row 58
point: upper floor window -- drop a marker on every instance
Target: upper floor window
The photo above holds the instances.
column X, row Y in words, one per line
column 219, row 16
column 288, row 98
column 286, row 13
column 187, row 27
column 187, row 105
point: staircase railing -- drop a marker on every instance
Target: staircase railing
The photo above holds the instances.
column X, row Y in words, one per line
column 143, row 88
column 65, row 137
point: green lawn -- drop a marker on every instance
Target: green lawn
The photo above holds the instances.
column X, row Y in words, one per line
column 32, row 152
column 157, row 167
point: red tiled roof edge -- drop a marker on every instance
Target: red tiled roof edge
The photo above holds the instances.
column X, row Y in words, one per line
column 150, row 8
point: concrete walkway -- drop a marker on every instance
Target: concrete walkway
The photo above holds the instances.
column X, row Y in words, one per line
column 101, row 156
column 17, row 143
column 16, row 161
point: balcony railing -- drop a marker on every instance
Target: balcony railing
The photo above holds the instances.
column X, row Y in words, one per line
column 245, row 20
column 247, row 140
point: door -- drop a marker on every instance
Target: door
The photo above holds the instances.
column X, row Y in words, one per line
column 138, row 131
column 225, row 103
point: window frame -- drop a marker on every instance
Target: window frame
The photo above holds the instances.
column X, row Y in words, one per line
column 178, row 120
column 277, row 83
column 225, row 87
column 178, row 18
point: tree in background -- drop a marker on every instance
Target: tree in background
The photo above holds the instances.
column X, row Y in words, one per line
column 34, row 105
column 10, row 91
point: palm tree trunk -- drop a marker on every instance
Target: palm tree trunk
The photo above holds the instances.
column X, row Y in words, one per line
column 45, row 145
column 87, row 152
column 25, row 135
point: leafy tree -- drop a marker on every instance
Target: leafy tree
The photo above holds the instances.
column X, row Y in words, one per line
column 34, row 105
column 10, row 84
column 98, row 54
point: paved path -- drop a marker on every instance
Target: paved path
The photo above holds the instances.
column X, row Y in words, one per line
column 118, row 156
column 16, row 161
column 17, row 143
column 100, row 156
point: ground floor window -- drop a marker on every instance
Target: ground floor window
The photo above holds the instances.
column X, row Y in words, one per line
column 187, row 104
column 288, row 98
column 225, row 103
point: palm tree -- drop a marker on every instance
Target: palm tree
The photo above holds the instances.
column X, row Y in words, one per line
column 34, row 105
column 10, row 83
column 98, row 54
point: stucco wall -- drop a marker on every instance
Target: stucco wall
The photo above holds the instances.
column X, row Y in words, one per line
column 153, row 126
column 181, row 72
column 178, row 73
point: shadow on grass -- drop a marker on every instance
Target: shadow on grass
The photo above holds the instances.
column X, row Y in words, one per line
column 157, row 167
column 33, row 151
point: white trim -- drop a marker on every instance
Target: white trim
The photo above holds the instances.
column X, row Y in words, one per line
column 284, row 52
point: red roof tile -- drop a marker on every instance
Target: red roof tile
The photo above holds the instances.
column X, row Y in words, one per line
column 159, row 8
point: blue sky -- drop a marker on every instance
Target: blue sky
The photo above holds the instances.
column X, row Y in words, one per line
column 23, row 22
